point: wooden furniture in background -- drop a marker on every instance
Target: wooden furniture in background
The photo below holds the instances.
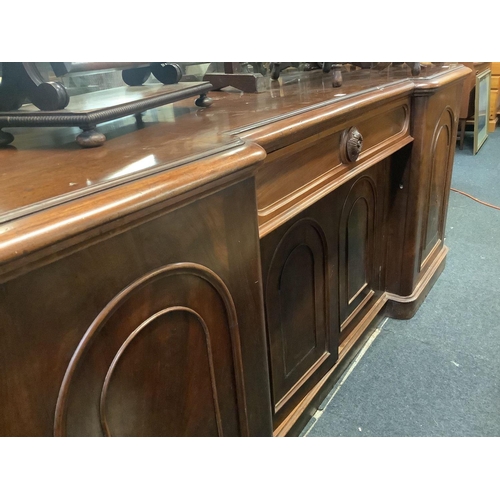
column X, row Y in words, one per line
column 212, row 273
column 481, row 108
column 470, row 109
column 494, row 96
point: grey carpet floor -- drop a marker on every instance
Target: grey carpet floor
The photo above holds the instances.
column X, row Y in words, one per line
column 437, row 374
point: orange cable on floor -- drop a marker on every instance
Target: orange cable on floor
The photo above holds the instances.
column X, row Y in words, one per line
column 475, row 199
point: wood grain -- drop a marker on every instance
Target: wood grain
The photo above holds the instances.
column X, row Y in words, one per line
column 153, row 349
column 296, row 176
column 46, row 312
column 494, row 96
column 298, row 266
column 213, row 271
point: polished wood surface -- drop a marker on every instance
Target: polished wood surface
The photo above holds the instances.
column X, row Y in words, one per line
column 434, row 125
column 29, row 184
column 295, row 176
column 358, row 241
column 212, row 272
column 180, row 131
column 88, row 339
column 300, row 290
column 48, row 234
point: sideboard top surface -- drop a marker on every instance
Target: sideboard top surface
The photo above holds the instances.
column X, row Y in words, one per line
column 45, row 167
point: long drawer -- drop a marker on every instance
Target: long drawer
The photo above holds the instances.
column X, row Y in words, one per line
column 294, row 177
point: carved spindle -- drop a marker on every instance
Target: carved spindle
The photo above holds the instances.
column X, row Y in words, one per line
column 337, row 75
column 139, row 120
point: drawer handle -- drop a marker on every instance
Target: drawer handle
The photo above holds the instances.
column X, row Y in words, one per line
column 352, row 143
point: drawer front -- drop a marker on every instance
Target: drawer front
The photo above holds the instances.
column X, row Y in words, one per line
column 296, row 176
column 495, row 81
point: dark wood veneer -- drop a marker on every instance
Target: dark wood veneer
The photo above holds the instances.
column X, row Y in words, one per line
column 211, row 272
column 300, row 283
column 357, row 248
column 183, row 320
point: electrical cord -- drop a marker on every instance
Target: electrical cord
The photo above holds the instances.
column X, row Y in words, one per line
column 475, row 199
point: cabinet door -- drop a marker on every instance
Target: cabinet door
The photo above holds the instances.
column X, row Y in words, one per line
column 322, row 271
column 156, row 330
column 168, row 355
column 360, row 245
column 436, row 180
column 300, row 309
column 428, row 178
column 162, row 359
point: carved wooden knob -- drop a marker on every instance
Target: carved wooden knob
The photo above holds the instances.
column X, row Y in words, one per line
column 352, row 143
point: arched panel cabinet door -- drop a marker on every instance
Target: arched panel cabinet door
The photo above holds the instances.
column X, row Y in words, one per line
column 437, row 185
column 301, row 342
column 162, row 359
column 357, row 250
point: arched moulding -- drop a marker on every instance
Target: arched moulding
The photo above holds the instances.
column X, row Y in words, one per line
column 92, row 335
column 298, row 318
column 441, row 147
column 356, row 269
column 356, row 248
column 128, row 341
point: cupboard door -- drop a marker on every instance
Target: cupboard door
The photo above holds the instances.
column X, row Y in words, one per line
column 322, row 273
column 172, row 342
column 300, row 314
column 436, row 187
column 357, row 248
column 162, row 359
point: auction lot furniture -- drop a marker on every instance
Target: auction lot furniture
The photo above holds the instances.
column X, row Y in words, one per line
column 212, row 271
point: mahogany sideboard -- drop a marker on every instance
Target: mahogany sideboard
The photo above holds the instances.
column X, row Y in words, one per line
column 211, row 272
